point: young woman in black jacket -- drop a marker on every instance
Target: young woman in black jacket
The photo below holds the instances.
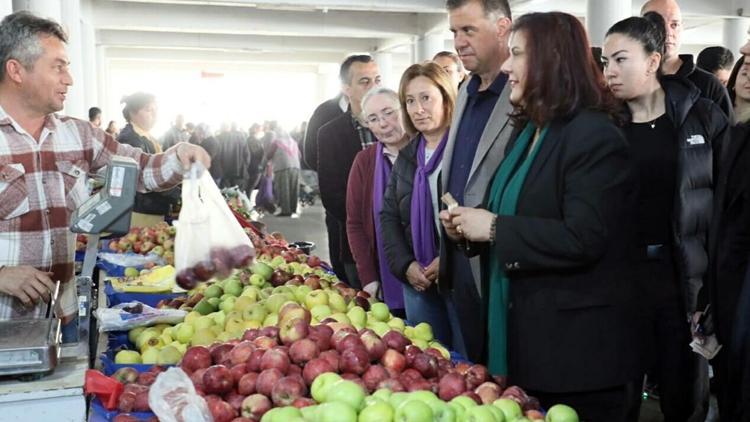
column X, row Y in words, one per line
column 674, row 137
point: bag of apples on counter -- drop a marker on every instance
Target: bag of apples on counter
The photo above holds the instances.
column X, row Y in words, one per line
column 209, row 240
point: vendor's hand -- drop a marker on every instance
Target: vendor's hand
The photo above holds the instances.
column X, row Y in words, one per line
column 26, row 284
column 473, row 223
column 450, row 229
column 694, row 325
column 188, row 154
column 431, row 272
column 372, row 288
column 415, row 276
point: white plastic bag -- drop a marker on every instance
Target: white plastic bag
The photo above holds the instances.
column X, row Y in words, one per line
column 173, row 398
column 209, row 239
column 126, row 316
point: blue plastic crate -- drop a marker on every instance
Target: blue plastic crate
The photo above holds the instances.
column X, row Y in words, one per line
column 151, row 299
column 99, row 414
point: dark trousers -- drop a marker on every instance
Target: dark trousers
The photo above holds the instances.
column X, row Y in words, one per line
column 611, row 404
column 334, row 246
column 352, row 276
column 671, row 362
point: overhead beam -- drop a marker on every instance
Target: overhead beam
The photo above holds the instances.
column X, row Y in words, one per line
column 232, row 42
column 421, row 6
column 171, row 55
column 243, row 20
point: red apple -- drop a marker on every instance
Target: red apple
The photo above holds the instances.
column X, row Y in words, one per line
column 532, row 404
column 253, row 362
column 238, row 371
column 197, row 378
column 275, row 358
column 395, row 340
column 255, row 406
column 426, row 365
column 146, row 378
column 126, row 402
column 186, row 279
column 488, row 392
column 264, row 342
column 251, row 334
column 204, row 270
column 220, row 353
column 196, row 357
column 241, row 255
column 241, row 352
column 472, row 395
column 355, row 360
column 410, row 353
column 313, row 282
column 419, row 385
column 316, row 367
column 340, row 335
column 373, row 376
column 270, row 331
column 246, row 384
column 303, row 402
column 217, row 380
column 287, row 390
column 293, row 330
column 516, row 393
column 303, row 351
column 234, row 399
column 349, row 341
column 392, row 384
column 534, row 415
column 333, row 358
column 221, row 411
column 394, row 361
column 266, row 380
column 409, row 375
column 313, row 261
column 451, row 385
column 476, row 375
column 374, row 345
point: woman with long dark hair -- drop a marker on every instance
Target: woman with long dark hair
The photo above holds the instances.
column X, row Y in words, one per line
column 673, row 134
column 556, row 233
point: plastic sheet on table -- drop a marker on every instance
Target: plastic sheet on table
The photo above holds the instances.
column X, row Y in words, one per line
column 151, row 299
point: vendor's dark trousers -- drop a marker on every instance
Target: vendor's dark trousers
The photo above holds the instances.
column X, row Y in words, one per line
column 611, row 404
column 333, row 227
column 683, row 392
column 352, row 276
column 286, row 190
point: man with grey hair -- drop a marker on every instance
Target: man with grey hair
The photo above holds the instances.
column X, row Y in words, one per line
column 476, row 143
column 44, row 162
column 682, row 65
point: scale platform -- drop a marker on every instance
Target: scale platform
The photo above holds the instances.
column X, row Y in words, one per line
column 29, row 346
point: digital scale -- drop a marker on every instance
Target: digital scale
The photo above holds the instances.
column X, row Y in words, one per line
column 33, row 347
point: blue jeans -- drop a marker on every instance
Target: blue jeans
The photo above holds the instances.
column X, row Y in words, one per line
column 428, row 306
column 457, row 340
column 70, row 331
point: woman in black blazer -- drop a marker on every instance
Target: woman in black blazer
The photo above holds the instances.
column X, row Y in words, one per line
column 556, row 237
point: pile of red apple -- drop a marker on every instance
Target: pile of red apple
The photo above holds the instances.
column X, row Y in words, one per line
column 134, row 397
column 158, row 239
column 267, row 369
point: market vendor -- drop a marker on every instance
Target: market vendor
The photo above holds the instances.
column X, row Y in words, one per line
column 44, row 160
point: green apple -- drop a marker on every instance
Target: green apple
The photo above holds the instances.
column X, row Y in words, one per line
column 561, row 413
column 441, row 412
column 251, row 292
column 249, row 325
column 135, row 332
column 255, row 312
column 397, row 324
column 233, row 287
column 214, row 301
column 204, row 321
column 414, row 411
column 336, row 412
column 357, row 317
column 321, row 384
column 203, row 337
column 213, row 290
column 274, row 302
column 465, row 402
column 483, row 413
column 150, row 356
column 383, row 393
column 409, row 332
column 179, row 346
column 398, row 398
column 168, row 355
column 423, row 331
column 348, row 392
column 310, row 413
column 257, row 280
column 128, row 357
column 510, row 408
column 227, row 305
column 419, row 343
column 301, row 292
column 380, row 311
column 440, row 348
column 191, row 317
column 371, row 400
column 271, row 320
column 423, row 396
column 145, row 336
column 219, row 317
column 224, row 336
column 278, row 261
column 261, row 270
column 336, row 302
column 281, row 414
column 165, row 338
column 320, row 312
column 234, row 324
column 185, row 333
column 341, row 317
column 458, row 410
column 316, row 297
column 242, row 303
column 377, row 412
column 204, row 307
column 380, row 328
column 499, row 415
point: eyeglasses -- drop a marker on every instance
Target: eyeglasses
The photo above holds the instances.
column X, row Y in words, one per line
column 376, row 118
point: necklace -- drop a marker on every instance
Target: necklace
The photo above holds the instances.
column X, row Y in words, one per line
column 653, row 124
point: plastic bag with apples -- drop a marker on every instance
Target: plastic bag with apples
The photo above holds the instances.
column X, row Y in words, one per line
column 209, row 239
column 173, row 398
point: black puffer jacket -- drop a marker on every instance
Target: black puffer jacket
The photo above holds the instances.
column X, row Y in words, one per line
column 395, row 217
column 702, row 130
column 155, row 203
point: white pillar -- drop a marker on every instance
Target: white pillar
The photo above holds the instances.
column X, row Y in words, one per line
column 88, row 41
column 429, row 45
column 602, row 14
column 49, row 9
column 6, row 8
column 71, row 17
column 385, row 64
column 102, row 81
column 735, row 34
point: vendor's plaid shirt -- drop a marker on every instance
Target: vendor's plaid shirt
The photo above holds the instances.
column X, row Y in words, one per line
column 42, row 182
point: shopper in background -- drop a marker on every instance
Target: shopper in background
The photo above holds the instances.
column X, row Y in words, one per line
column 451, row 63
column 140, row 114
column 202, row 137
column 234, row 153
column 556, row 232
column 95, row 117
column 717, row 61
column 176, row 134
column 364, row 196
column 674, row 136
column 255, row 158
column 284, row 157
column 112, row 129
column 409, row 218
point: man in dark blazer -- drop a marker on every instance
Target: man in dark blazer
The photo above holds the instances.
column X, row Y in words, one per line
column 476, row 145
column 339, row 141
column 324, row 113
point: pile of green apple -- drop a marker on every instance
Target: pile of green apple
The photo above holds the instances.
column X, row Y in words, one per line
column 157, row 345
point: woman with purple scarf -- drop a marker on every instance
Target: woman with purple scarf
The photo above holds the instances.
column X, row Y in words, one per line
column 409, row 219
column 368, row 179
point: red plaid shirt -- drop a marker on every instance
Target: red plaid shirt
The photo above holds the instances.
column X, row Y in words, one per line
column 42, row 182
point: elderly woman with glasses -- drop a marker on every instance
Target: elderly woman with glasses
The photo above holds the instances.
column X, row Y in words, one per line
column 364, row 197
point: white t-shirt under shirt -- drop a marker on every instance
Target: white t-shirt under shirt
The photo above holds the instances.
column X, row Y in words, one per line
column 433, row 179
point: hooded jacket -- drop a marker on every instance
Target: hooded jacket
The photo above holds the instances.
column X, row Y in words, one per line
column 709, row 86
column 701, row 129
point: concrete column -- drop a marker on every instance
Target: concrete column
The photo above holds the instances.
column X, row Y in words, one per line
column 385, row 64
column 88, row 40
column 49, row 9
column 602, row 14
column 735, row 34
column 102, row 81
column 71, row 17
column 429, row 45
column 6, row 8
